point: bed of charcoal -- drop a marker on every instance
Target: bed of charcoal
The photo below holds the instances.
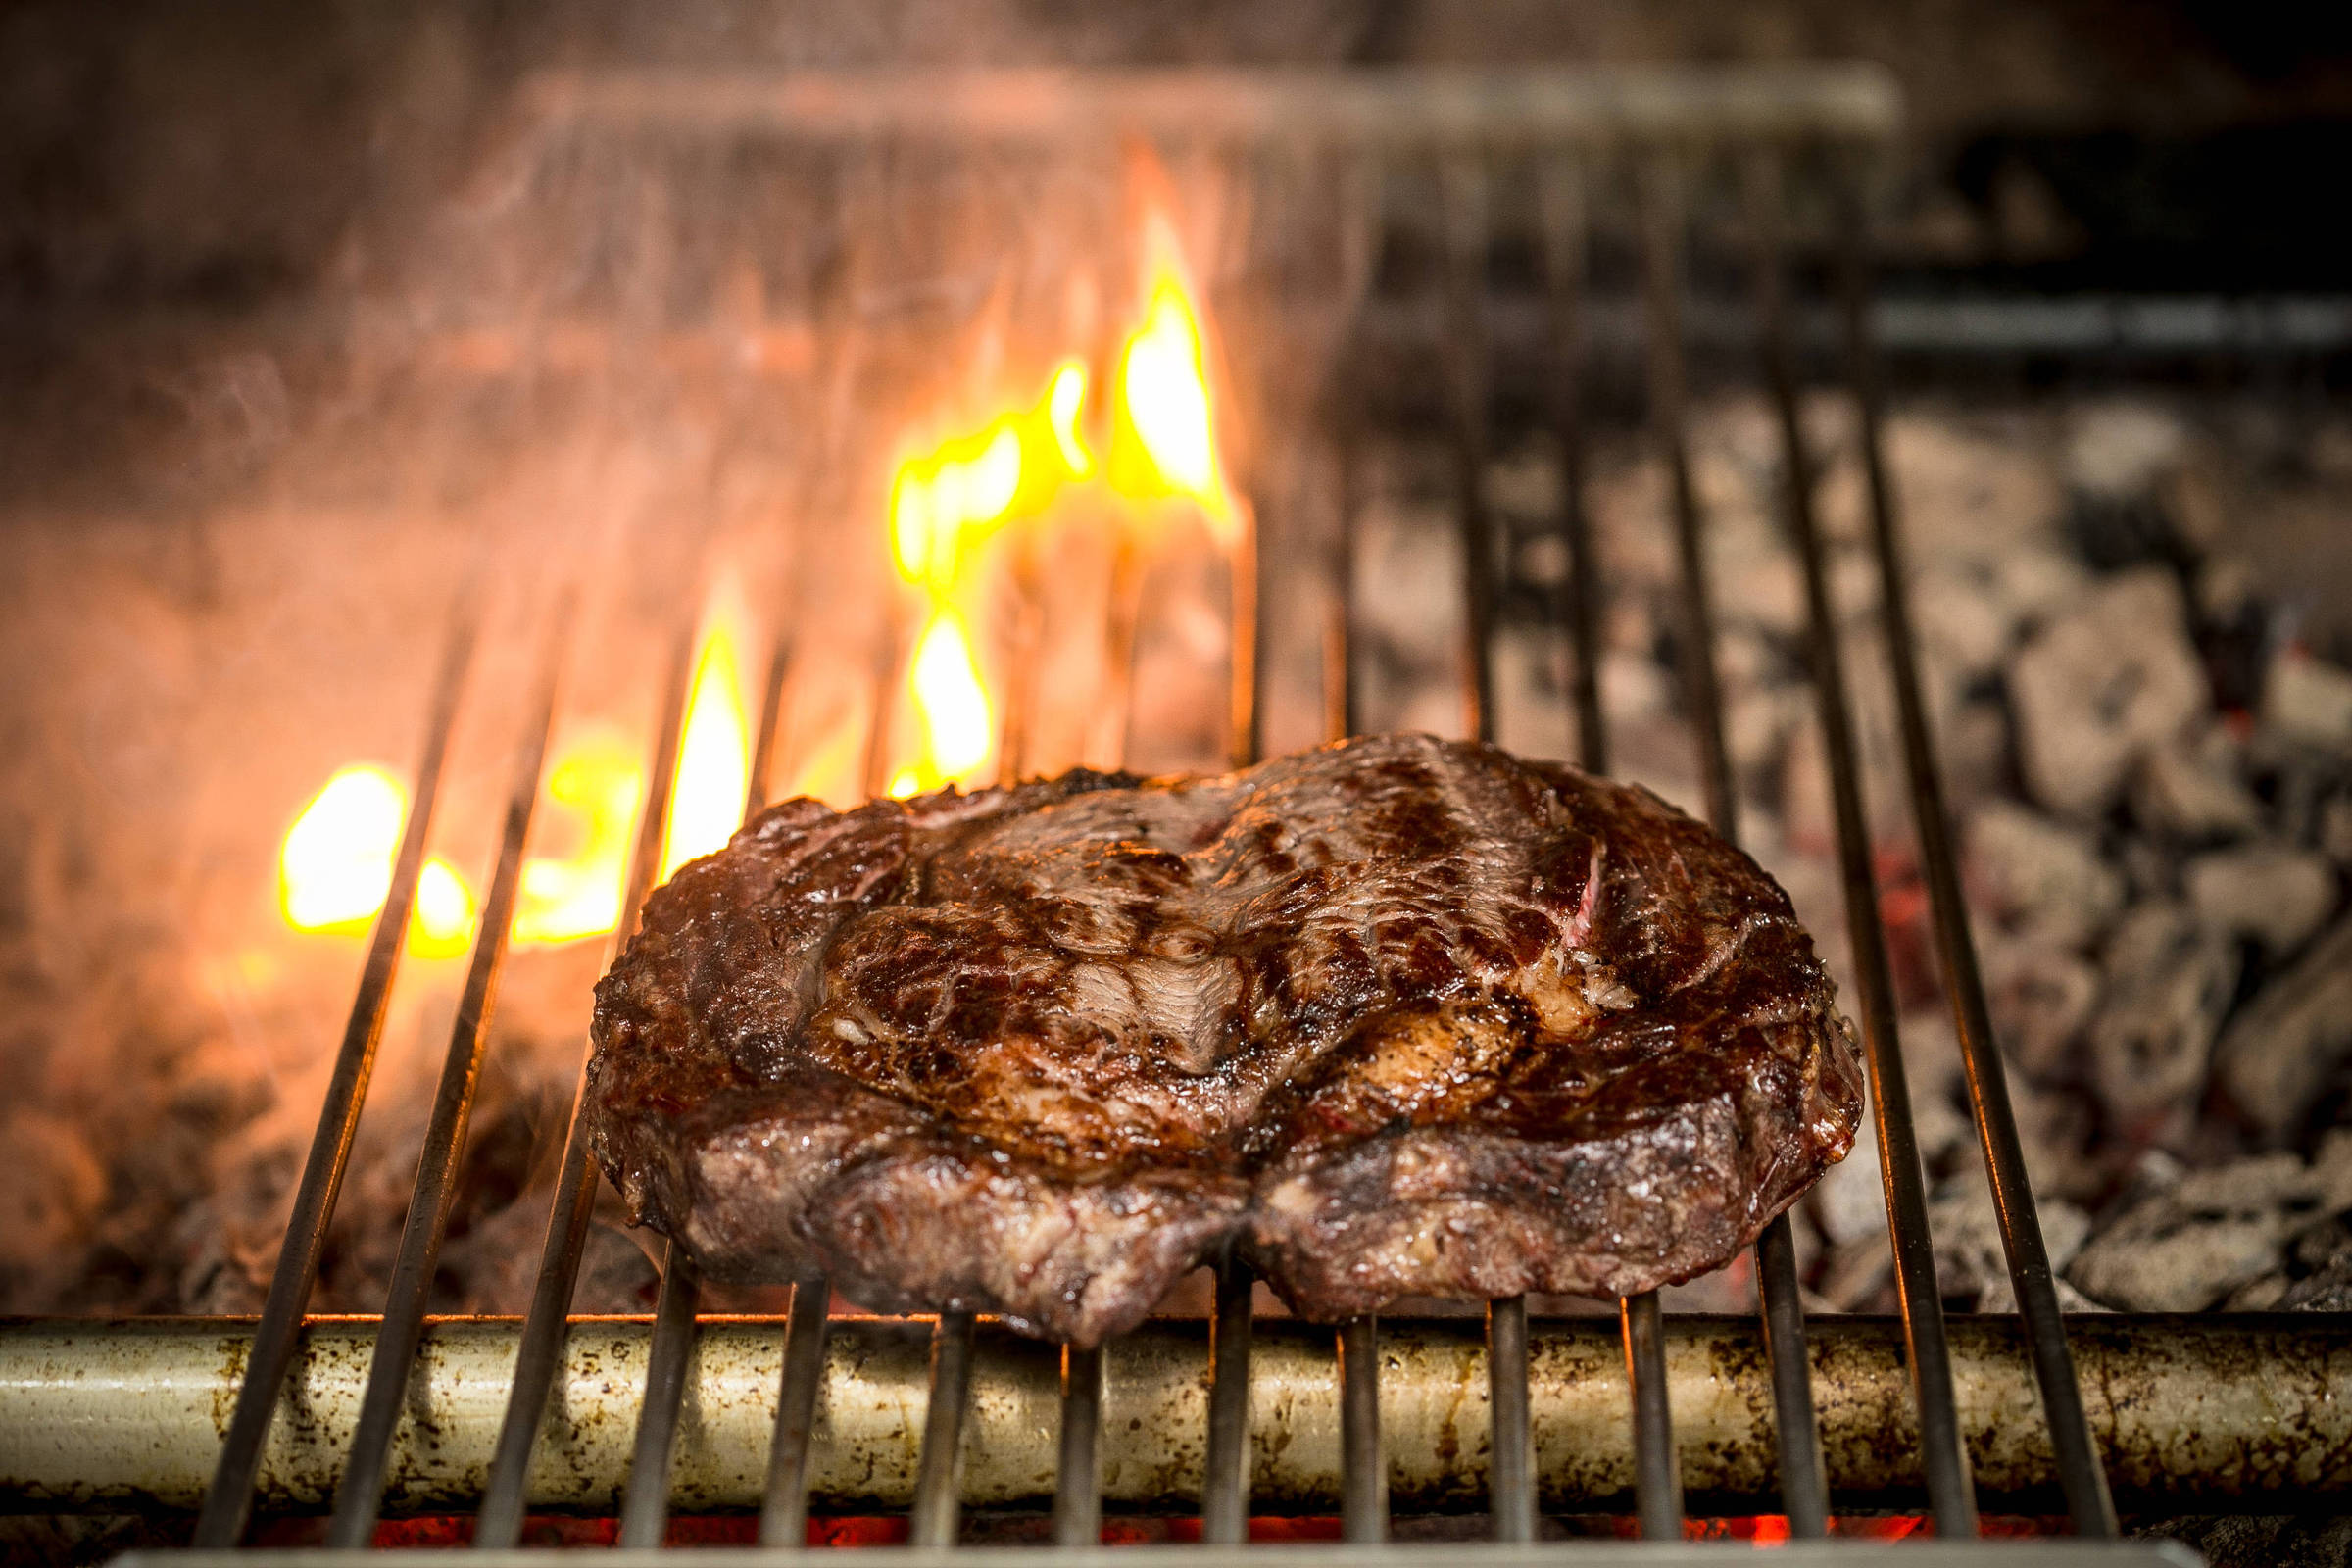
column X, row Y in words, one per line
column 2145, row 715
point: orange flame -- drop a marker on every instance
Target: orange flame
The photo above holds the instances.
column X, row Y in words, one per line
column 944, row 505
column 715, row 755
column 1163, row 419
column 334, row 867
column 597, row 784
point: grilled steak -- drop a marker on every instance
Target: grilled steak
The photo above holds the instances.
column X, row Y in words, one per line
column 1398, row 1016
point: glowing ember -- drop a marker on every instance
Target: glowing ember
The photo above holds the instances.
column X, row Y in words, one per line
column 598, row 785
column 714, row 757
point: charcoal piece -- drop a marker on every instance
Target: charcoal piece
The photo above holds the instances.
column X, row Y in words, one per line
column 1399, row 1017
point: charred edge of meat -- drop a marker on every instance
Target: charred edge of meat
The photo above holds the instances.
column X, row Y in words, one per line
column 1399, row 1017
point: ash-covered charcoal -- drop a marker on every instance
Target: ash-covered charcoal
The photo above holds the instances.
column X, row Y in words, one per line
column 1401, row 1016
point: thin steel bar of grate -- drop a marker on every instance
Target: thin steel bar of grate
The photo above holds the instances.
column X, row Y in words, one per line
column 1225, row 1488
column 668, row 1363
column 1659, row 197
column 939, row 1482
column 2083, row 1478
column 359, row 1495
column 1796, row 1426
column 1511, row 1462
column 500, row 1520
column 229, row 1498
column 1565, row 239
column 1941, row 1453
column 1461, row 185
column 645, row 1506
column 1462, row 192
column 1343, row 699
column 1363, row 1460
column 1225, row 1482
column 1078, row 1476
column 1657, row 1471
column 770, row 742
column 784, row 1502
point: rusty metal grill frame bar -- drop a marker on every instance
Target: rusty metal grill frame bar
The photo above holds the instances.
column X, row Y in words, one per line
column 1462, row 118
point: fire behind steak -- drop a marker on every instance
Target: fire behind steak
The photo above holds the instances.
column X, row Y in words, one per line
column 1399, row 1016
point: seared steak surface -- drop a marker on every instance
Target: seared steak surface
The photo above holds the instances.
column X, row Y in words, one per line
column 1399, row 1017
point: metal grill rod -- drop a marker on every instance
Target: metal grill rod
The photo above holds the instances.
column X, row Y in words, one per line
column 1225, row 1486
column 668, row 1362
column 1461, row 187
column 1078, row 1476
column 2085, row 1480
column 1512, row 1467
column 229, row 1498
column 1363, row 1461
column 1804, row 1494
column 939, row 1484
column 1225, row 1491
column 541, row 1349
column 1561, row 195
column 784, row 1504
column 1944, row 1457
column 2222, row 1414
column 360, row 1493
column 645, row 1508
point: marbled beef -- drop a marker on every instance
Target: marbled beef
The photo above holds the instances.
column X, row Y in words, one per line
column 1396, row 1016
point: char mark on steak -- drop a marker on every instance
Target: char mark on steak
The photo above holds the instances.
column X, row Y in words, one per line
column 1398, row 1016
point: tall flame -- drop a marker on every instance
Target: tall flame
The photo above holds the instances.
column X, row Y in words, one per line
column 960, row 729
column 943, row 503
column 714, row 757
column 1163, row 419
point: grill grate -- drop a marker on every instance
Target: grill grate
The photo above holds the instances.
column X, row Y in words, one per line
column 1581, row 126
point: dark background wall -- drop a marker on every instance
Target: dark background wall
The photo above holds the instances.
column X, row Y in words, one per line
column 217, row 157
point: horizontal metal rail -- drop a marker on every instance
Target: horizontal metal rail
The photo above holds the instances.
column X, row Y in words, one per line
column 1401, row 108
column 2229, row 1413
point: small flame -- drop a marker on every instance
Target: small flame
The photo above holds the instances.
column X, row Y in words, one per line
column 1066, row 399
column 598, row 784
column 334, row 869
column 714, row 757
column 441, row 926
column 944, row 502
column 335, row 866
column 1163, row 432
column 959, row 726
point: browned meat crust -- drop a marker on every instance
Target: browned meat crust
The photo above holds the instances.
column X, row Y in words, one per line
column 1399, row 1017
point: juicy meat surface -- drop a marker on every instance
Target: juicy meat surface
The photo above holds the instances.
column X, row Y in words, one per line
column 1398, row 1016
